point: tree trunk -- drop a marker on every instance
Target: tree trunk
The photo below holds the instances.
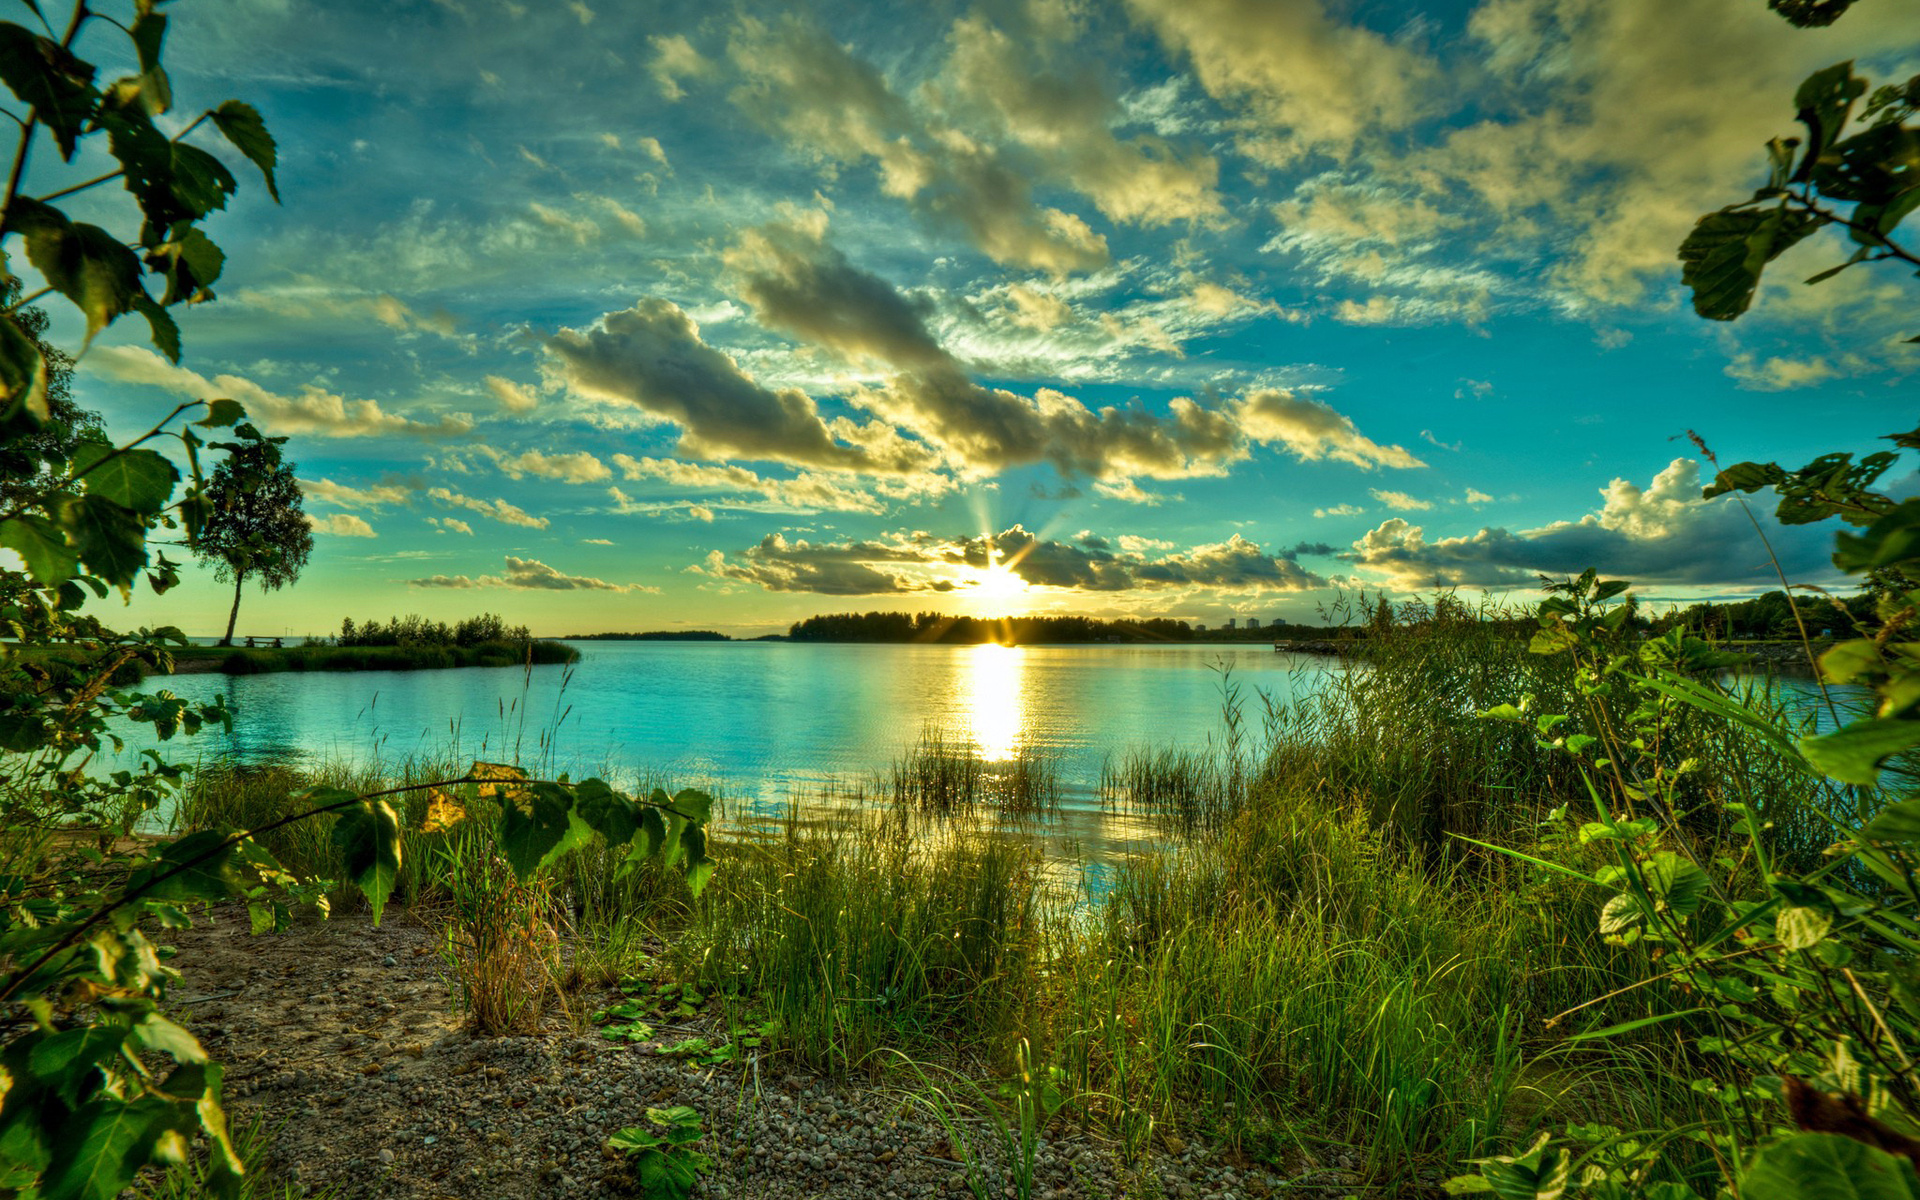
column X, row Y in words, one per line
column 235, row 614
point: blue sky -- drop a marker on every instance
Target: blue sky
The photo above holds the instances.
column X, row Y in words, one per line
column 692, row 315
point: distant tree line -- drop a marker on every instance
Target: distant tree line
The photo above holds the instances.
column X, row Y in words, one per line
column 418, row 631
column 653, row 635
column 1769, row 616
column 942, row 628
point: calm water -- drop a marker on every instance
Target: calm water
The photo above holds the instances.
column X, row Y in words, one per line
column 758, row 721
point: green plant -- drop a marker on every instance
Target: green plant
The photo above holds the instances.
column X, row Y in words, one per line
column 664, row 1160
column 1794, row 982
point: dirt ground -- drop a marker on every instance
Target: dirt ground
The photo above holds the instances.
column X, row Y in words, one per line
column 341, row 1038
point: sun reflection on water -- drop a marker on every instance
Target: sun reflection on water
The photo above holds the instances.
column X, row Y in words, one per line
column 994, row 699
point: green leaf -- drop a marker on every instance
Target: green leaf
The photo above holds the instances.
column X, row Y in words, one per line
column 694, row 805
column 1825, row 103
column 102, row 1144
column 148, row 32
column 1744, row 477
column 84, row 263
column 221, row 413
column 243, row 127
column 1611, row 1031
column 1854, row 753
column 137, row 479
column 1723, row 257
column 653, row 830
column 56, row 83
column 1801, row 928
column 1844, row 661
column 65, row 1062
column 533, row 823
column 111, row 540
column 368, row 835
column 213, row 880
column 1554, row 639
column 23, row 378
column 166, row 334
column 42, row 546
column 606, row 812
column 1827, row 1166
column 1675, row 881
column 1892, row 539
column 1873, row 167
column 1897, row 824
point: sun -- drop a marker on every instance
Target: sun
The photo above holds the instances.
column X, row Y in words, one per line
column 996, row 584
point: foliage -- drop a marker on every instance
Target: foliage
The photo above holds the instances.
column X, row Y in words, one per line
column 82, row 1113
column 30, row 463
column 419, row 631
column 1871, row 161
column 1797, row 978
column 664, row 1160
column 255, row 526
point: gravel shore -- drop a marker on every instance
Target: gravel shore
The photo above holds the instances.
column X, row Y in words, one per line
column 341, row 1038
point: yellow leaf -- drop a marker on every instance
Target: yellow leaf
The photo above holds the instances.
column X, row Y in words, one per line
column 494, row 776
column 443, row 813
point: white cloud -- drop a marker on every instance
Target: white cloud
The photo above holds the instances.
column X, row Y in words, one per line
column 1401, row 502
column 341, row 525
column 313, row 411
column 499, row 510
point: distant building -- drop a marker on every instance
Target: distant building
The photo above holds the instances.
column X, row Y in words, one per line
column 1253, row 622
column 1233, row 622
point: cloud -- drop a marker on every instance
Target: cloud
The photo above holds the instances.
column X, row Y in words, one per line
column 1401, row 502
column 651, row 357
column 499, row 510
column 512, row 396
column 1776, row 374
column 314, row 411
column 801, row 85
column 1309, row 83
column 1314, row 430
column 918, row 562
column 376, row 495
column 800, row 284
column 576, row 467
column 1662, row 534
column 1476, row 496
column 1067, row 120
column 1339, row 510
column 809, row 491
column 581, row 230
column 675, row 59
column 528, row 574
column 1037, row 310
column 341, row 525
column 450, row 525
column 831, row 569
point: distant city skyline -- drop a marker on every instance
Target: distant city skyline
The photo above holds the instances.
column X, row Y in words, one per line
column 616, row 317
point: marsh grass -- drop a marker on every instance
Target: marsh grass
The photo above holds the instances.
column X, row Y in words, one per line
column 944, row 776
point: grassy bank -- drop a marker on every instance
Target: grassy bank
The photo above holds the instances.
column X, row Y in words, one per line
column 229, row 660
column 1314, row 963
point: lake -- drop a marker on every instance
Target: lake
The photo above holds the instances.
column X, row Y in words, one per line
column 760, row 722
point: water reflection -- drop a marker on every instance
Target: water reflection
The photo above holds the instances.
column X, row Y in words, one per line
column 994, row 682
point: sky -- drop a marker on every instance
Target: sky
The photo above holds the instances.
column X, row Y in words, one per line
column 692, row 315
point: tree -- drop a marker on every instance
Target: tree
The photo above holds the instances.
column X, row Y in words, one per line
column 30, row 461
column 256, row 527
